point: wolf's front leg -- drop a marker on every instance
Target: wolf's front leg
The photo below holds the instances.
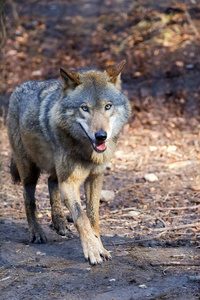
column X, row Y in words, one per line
column 92, row 248
column 93, row 187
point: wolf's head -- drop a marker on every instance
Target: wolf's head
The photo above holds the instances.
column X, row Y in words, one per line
column 93, row 106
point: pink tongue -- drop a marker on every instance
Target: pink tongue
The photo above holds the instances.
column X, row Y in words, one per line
column 101, row 147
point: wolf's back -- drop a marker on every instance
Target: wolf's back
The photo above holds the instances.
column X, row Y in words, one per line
column 29, row 101
column 31, row 94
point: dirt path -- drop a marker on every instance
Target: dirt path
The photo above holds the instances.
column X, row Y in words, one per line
column 57, row 270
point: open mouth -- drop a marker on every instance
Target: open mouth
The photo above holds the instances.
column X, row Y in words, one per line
column 97, row 146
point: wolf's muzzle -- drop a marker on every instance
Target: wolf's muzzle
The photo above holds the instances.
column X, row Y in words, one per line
column 99, row 145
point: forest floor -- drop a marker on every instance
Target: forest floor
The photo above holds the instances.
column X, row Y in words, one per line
column 152, row 227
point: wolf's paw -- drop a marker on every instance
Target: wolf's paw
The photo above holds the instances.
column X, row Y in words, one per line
column 106, row 255
column 60, row 225
column 94, row 252
column 37, row 236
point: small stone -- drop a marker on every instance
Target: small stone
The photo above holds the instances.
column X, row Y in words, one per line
column 36, row 73
column 171, row 148
column 40, row 253
column 153, row 148
column 122, row 253
column 189, row 66
column 107, row 196
column 143, row 286
column 12, row 52
column 112, row 279
column 121, row 167
column 138, row 74
column 179, row 64
column 134, row 213
column 151, row 177
column 195, row 188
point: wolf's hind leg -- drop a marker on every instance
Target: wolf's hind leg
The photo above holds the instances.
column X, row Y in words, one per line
column 14, row 171
column 29, row 174
column 58, row 217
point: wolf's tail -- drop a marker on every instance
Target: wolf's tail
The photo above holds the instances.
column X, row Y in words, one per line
column 14, row 171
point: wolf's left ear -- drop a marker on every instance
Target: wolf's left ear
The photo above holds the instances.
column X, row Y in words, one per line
column 70, row 79
column 114, row 73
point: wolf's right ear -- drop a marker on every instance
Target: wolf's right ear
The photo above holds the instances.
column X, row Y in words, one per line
column 70, row 79
column 114, row 72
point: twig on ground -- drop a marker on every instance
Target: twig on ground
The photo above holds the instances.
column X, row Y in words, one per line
column 191, row 23
column 140, row 241
column 119, row 220
column 166, row 198
column 131, row 186
column 171, row 228
column 179, row 208
column 175, row 263
column 162, row 221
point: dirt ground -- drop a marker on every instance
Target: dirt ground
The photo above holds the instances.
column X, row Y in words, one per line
column 152, row 227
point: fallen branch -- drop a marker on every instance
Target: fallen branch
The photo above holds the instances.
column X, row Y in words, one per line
column 191, row 23
column 129, row 209
column 171, row 228
column 175, row 263
column 131, row 243
column 118, row 220
column 179, row 208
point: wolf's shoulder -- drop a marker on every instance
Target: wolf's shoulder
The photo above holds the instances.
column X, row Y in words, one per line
column 32, row 86
column 35, row 91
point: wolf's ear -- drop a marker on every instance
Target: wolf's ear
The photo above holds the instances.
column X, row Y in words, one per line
column 70, row 79
column 114, row 73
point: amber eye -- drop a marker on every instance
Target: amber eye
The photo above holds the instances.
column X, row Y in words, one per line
column 108, row 106
column 85, row 108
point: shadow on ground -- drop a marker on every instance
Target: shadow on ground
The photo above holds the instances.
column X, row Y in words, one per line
column 57, row 270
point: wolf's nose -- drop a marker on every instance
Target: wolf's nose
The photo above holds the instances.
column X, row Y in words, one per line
column 101, row 136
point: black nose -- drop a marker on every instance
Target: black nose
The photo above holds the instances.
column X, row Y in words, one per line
column 101, row 136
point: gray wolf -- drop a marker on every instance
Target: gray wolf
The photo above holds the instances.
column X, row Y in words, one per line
column 68, row 128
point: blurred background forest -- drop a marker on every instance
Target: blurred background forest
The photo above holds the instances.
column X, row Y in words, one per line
column 159, row 40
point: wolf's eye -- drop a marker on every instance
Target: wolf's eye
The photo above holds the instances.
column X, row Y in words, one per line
column 85, row 108
column 108, row 106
